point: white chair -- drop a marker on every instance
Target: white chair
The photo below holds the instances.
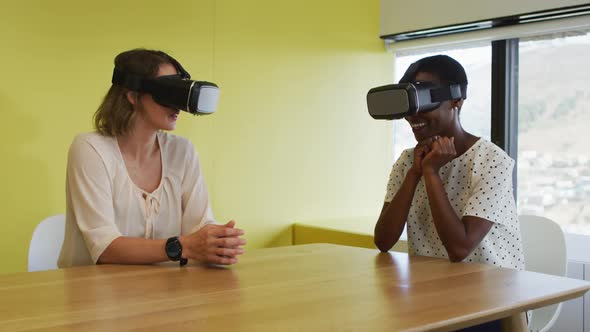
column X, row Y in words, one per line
column 46, row 243
column 545, row 252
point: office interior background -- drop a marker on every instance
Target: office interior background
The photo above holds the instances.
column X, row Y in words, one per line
column 292, row 139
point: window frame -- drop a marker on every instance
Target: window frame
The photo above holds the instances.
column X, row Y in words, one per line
column 504, row 99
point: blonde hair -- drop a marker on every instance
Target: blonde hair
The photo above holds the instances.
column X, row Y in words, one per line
column 115, row 115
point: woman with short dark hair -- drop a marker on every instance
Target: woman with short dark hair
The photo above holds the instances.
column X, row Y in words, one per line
column 453, row 189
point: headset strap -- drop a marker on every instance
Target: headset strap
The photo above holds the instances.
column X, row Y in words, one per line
column 449, row 92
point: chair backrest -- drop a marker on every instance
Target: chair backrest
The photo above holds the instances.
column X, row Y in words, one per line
column 46, row 243
column 545, row 252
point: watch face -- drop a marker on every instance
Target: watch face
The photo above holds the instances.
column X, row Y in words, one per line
column 173, row 249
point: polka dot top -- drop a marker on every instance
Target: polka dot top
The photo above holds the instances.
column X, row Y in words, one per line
column 478, row 183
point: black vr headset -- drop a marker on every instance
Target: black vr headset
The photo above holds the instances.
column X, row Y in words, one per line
column 174, row 91
column 396, row 101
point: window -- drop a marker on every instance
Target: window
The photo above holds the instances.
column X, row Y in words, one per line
column 553, row 135
column 553, row 158
column 534, row 102
column 476, row 111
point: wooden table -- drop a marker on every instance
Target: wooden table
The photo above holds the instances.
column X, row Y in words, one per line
column 316, row 287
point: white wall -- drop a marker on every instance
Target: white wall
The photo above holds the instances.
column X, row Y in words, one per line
column 397, row 16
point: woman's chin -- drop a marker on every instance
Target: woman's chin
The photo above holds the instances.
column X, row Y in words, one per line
column 171, row 123
column 424, row 139
column 420, row 137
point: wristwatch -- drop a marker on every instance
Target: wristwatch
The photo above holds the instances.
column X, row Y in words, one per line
column 174, row 250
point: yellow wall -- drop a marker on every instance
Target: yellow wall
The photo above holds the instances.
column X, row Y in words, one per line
column 291, row 139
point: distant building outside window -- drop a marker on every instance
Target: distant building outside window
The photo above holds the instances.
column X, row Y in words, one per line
column 554, row 129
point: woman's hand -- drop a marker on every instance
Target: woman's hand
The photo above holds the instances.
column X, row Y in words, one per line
column 442, row 150
column 216, row 244
column 420, row 151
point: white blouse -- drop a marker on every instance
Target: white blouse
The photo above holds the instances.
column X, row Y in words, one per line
column 478, row 183
column 103, row 203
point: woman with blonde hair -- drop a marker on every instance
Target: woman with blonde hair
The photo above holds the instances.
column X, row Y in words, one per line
column 135, row 194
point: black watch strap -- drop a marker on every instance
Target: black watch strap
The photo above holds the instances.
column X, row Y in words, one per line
column 174, row 250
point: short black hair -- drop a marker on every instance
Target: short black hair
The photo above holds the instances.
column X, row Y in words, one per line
column 446, row 68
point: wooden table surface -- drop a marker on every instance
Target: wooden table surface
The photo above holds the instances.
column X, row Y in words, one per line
column 317, row 287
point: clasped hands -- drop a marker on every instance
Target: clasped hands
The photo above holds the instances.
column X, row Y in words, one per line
column 215, row 244
column 433, row 153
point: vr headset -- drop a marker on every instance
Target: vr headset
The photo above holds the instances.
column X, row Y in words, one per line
column 174, row 91
column 396, row 101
